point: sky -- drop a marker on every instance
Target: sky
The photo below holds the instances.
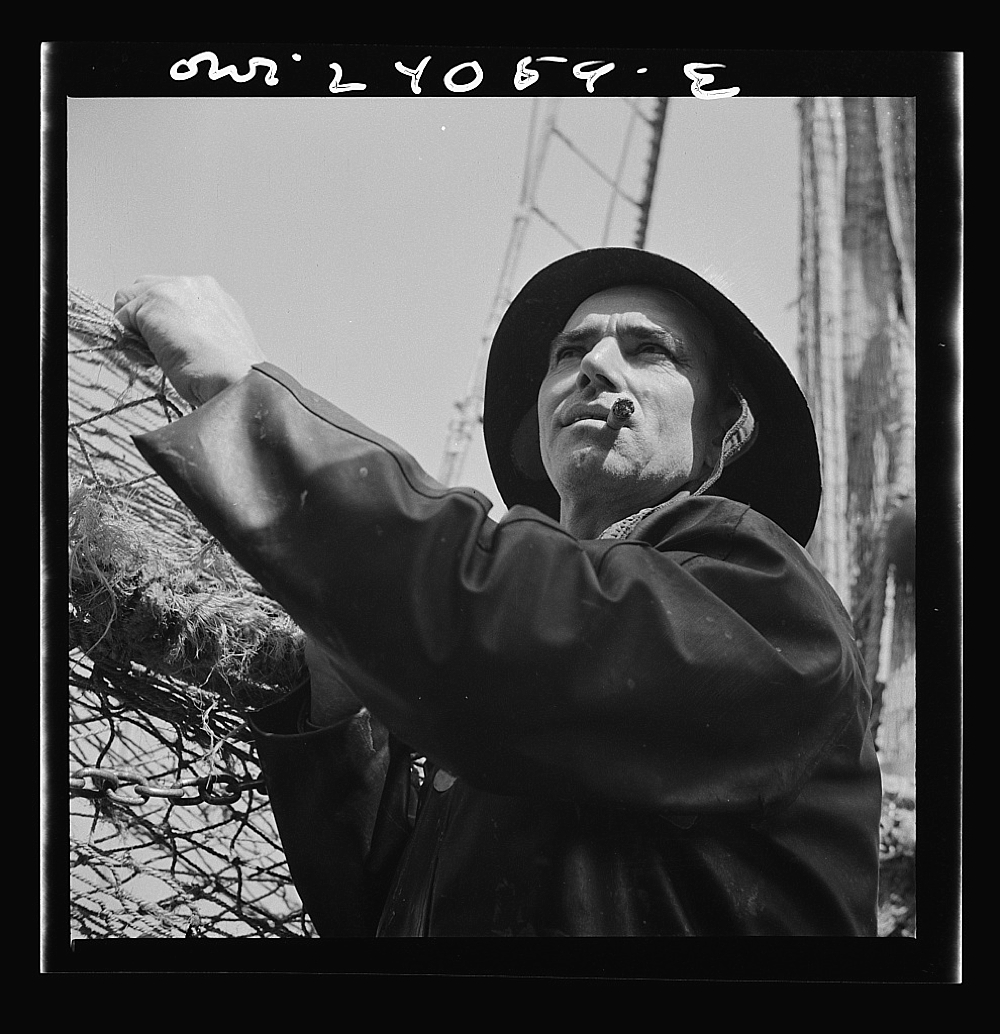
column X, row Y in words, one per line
column 365, row 237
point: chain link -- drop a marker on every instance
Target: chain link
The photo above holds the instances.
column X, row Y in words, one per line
column 107, row 783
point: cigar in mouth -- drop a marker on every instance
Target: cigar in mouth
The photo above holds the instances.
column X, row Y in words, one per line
column 620, row 412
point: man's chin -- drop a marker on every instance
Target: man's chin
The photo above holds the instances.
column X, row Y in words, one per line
column 595, row 471
column 590, row 466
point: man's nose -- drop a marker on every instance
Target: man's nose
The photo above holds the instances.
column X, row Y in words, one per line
column 602, row 366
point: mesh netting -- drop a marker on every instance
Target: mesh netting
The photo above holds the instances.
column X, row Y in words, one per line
column 171, row 646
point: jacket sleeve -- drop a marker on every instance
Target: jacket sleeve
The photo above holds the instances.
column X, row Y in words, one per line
column 706, row 675
column 339, row 795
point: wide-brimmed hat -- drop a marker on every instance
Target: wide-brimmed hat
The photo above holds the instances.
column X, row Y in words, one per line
column 779, row 475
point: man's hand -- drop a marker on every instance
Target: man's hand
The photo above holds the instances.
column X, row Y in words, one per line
column 196, row 332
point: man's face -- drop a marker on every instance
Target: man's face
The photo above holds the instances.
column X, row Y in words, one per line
column 650, row 347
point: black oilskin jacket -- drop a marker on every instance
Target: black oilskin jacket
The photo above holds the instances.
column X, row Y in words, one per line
column 661, row 735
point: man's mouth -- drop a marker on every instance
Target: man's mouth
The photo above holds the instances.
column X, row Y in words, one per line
column 579, row 413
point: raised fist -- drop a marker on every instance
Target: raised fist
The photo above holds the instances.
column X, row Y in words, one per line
column 196, row 332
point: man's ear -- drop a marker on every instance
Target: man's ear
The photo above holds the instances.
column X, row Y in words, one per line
column 525, row 450
column 726, row 414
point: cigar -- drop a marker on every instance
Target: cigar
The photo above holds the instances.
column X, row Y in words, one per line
column 620, row 412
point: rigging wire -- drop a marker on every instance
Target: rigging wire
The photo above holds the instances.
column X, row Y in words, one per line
column 468, row 411
column 622, row 158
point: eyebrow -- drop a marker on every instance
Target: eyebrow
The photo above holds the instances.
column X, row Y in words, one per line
column 583, row 334
column 578, row 336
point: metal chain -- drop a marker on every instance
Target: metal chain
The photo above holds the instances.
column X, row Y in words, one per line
column 107, row 782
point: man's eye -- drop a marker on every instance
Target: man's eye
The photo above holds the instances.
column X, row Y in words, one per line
column 657, row 347
column 564, row 352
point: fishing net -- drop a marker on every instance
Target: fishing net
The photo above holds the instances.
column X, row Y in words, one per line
column 171, row 647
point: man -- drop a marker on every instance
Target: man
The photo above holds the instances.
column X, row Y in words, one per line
column 642, row 707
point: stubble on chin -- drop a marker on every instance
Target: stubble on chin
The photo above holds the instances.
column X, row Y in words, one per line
column 588, row 467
